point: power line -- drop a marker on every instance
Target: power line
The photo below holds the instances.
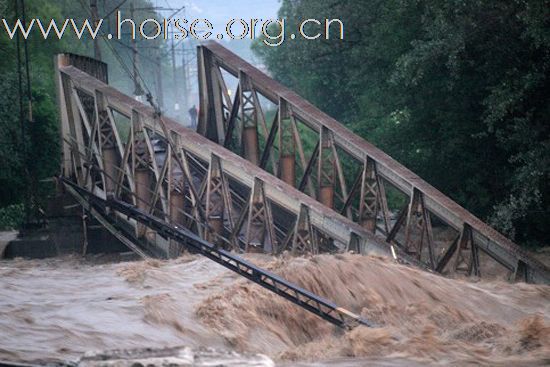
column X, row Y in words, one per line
column 133, row 76
column 115, row 9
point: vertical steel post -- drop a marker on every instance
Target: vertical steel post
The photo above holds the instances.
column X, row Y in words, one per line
column 142, row 171
column 61, row 61
column 368, row 204
column 327, row 169
column 249, row 118
column 260, row 233
column 215, row 203
column 467, row 257
column 210, row 122
column 108, row 144
column 185, row 80
column 176, row 182
column 175, row 91
column 287, row 147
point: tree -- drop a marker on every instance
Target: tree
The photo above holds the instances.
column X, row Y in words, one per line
column 457, row 91
column 28, row 158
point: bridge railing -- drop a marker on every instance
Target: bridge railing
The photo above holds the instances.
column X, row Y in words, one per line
column 245, row 110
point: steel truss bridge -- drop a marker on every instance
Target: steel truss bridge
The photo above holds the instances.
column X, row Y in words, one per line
column 266, row 171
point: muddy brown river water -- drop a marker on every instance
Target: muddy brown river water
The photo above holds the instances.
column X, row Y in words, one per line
column 57, row 309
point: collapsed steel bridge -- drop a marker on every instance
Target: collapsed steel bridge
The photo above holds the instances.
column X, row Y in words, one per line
column 304, row 184
column 157, row 187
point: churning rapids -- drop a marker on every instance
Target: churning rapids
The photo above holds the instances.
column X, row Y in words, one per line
column 60, row 308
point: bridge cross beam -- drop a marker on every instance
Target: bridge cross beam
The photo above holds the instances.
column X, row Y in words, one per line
column 125, row 170
column 73, row 137
column 63, row 101
column 211, row 121
column 140, row 162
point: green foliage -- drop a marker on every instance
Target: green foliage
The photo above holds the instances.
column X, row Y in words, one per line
column 28, row 153
column 11, row 217
column 31, row 154
column 457, row 91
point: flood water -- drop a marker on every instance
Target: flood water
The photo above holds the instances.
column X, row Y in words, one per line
column 58, row 309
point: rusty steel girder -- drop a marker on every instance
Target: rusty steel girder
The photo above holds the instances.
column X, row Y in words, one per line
column 345, row 172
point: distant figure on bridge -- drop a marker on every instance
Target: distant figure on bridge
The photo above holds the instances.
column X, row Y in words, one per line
column 193, row 116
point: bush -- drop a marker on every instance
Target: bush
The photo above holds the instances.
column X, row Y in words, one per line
column 12, row 216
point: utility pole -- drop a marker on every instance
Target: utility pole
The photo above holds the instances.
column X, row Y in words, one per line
column 138, row 90
column 95, row 21
column 177, row 105
column 158, row 59
column 160, row 93
column 185, row 75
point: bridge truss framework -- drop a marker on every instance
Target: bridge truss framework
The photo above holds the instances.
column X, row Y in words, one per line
column 333, row 192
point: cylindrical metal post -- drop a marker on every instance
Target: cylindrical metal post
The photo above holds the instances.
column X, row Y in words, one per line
column 215, row 222
column 369, row 223
column 250, row 140
column 326, row 196
column 143, row 194
column 288, row 169
column 177, row 203
column 110, row 164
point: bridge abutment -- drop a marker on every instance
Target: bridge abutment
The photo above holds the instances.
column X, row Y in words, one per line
column 66, row 232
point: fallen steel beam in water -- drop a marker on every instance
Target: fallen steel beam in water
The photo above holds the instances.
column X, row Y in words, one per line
column 299, row 296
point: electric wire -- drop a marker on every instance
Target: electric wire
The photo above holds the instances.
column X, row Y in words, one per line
column 124, row 66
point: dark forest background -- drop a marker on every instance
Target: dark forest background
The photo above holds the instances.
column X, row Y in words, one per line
column 458, row 91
